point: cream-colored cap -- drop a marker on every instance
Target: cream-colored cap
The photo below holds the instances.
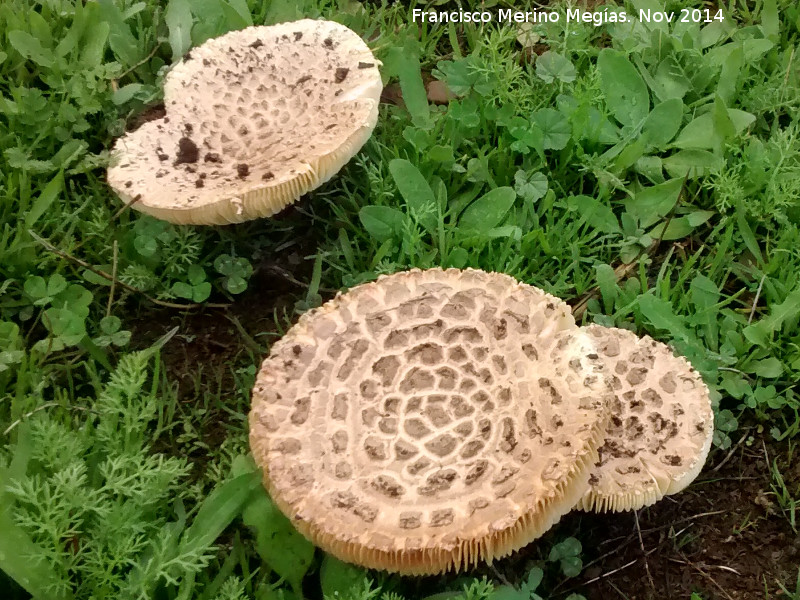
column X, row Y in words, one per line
column 254, row 119
column 661, row 424
column 429, row 420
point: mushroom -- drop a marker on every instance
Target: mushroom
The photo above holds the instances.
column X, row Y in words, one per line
column 254, row 119
column 430, row 419
column 661, row 424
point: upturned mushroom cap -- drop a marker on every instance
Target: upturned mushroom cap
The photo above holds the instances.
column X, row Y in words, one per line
column 429, row 420
column 254, row 119
column 661, row 424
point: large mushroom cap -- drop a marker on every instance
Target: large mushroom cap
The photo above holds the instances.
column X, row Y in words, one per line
column 254, row 119
column 430, row 419
column 661, row 424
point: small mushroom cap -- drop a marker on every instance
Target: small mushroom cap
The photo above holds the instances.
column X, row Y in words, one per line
column 429, row 420
column 661, row 424
column 254, row 119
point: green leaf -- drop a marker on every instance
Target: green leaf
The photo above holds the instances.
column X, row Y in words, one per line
column 279, row 545
column 652, row 203
column 46, row 198
column 567, row 548
column 552, row 65
column 663, row 122
column 769, row 367
column 64, row 324
column 607, row 283
column 415, row 191
column 507, row 592
column 725, row 421
column 126, row 93
column 110, row 324
column 770, row 22
column 338, row 578
column 659, row 313
column 94, row 45
column 195, row 274
column 596, row 213
column 120, row 39
column 670, row 80
column 695, row 163
column 554, row 126
column 402, row 62
column 531, row 187
column 183, row 290
column 488, row 211
column 381, row 222
column 178, row 18
column 624, row 89
column 679, row 227
column 235, row 284
column 760, row 332
column 702, row 132
column 31, row 48
column 218, row 510
column 571, row 566
column 458, row 258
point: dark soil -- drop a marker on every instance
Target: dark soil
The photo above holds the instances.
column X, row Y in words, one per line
column 724, row 537
column 151, row 113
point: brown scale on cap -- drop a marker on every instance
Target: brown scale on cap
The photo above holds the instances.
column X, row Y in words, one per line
column 431, row 435
column 661, row 423
column 265, row 113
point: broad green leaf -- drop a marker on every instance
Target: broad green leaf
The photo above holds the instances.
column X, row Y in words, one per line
column 569, row 547
column 760, row 332
column 120, row 39
column 458, row 258
column 705, row 296
column 488, row 211
column 337, row 578
column 404, row 64
column 597, row 214
column 725, row 421
column 507, row 592
column 44, row 201
column 278, row 543
column 663, row 122
column 670, row 80
column 195, row 274
column 660, row 314
column 701, row 132
column 770, row 23
column 93, row 45
column 653, row 203
column 31, row 48
column 768, row 367
column 64, row 324
column 530, row 187
column 552, row 65
column 178, row 18
column 237, row 14
column 219, row 509
column 126, row 93
column 554, row 126
column 679, row 227
column 607, row 283
column 182, row 290
column 695, row 163
column 624, row 89
column 416, row 191
column 23, row 560
column 729, row 76
column 381, row 222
